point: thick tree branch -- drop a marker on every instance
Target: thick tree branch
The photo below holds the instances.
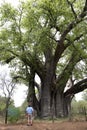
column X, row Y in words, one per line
column 61, row 47
column 73, row 11
column 78, row 87
column 34, row 62
column 64, row 76
column 19, row 77
column 84, row 12
column 9, row 59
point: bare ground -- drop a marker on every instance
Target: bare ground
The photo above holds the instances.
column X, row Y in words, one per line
column 47, row 126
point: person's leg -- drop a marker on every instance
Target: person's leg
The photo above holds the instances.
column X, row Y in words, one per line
column 31, row 120
column 28, row 121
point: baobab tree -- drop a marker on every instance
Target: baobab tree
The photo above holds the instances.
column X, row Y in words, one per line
column 47, row 38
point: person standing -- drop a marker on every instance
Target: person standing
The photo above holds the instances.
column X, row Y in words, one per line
column 30, row 114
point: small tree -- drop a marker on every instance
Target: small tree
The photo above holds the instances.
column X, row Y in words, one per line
column 7, row 87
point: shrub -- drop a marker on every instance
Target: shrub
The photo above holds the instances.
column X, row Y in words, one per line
column 13, row 114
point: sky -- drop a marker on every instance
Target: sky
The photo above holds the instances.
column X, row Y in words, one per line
column 20, row 95
column 13, row 2
column 20, row 92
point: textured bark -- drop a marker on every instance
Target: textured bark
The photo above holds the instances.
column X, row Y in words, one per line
column 45, row 100
column 6, row 109
column 59, row 105
column 46, row 94
column 62, row 105
column 31, row 97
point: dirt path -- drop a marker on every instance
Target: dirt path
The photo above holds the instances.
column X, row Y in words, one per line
column 47, row 126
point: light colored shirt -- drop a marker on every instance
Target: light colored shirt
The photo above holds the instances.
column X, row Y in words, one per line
column 29, row 110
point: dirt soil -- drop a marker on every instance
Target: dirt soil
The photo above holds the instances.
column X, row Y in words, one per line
column 47, row 126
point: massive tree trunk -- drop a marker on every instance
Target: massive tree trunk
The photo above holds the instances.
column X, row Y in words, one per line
column 46, row 85
column 45, row 99
column 59, row 104
column 46, row 93
column 31, row 97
